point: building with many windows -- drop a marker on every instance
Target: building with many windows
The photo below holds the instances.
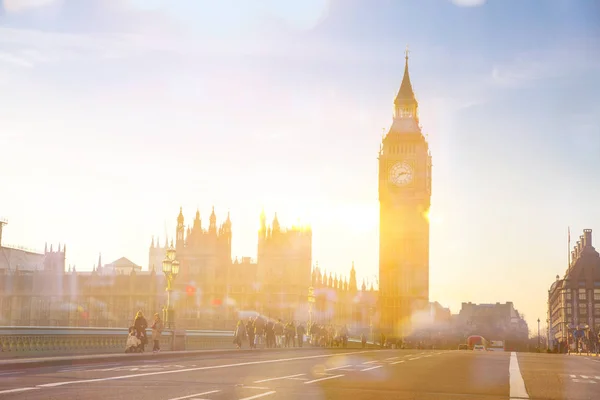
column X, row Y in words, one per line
column 574, row 300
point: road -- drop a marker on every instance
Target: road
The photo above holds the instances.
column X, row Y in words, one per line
column 317, row 374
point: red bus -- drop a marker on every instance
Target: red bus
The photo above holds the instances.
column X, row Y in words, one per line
column 472, row 341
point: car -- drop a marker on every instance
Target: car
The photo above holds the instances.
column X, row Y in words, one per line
column 463, row 347
column 479, row 347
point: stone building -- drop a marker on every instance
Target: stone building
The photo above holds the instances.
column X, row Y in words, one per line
column 404, row 201
column 574, row 300
column 211, row 291
column 499, row 321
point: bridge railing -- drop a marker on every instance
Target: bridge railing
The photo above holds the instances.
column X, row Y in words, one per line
column 50, row 341
column 54, row 341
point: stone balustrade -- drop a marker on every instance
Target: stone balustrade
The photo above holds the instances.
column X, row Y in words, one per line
column 55, row 341
column 50, row 341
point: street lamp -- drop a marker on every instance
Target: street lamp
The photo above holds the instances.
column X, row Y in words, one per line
column 170, row 267
column 539, row 349
column 311, row 301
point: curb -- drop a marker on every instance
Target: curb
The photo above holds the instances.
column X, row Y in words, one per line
column 77, row 360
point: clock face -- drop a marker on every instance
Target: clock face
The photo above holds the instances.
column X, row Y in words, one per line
column 401, row 174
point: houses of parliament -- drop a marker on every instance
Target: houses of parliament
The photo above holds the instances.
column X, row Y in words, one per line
column 213, row 290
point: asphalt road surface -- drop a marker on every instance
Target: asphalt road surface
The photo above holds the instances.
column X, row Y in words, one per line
column 317, row 374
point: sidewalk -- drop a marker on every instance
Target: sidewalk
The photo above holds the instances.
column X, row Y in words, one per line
column 85, row 359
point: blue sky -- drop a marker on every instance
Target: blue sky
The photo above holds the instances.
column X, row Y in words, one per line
column 115, row 113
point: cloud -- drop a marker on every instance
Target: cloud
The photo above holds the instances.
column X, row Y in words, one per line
column 468, row 3
column 562, row 60
column 16, row 6
column 15, row 60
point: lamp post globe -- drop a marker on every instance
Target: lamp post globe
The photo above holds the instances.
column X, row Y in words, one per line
column 175, row 268
column 167, row 264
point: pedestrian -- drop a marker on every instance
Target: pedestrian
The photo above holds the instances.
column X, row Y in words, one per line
column 157, row 328
column 140, row 324
column 239, row 334
column 250, row 332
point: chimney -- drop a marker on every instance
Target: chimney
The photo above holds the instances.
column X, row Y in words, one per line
column 579, row 244
column 587, row 238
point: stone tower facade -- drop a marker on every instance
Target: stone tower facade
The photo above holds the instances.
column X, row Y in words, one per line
column 404, row 200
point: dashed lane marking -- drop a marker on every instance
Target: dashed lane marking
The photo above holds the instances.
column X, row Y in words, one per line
column 368, row 369
column 342, row 367
column 195, row 395
column 392, row 358
column 254, row 387
column 278, row 378
column 397, row 362
column 371, row 362
column 18, row 390
column 584, row 378
column 416, row 358
column 259, row 395
column 323, row 379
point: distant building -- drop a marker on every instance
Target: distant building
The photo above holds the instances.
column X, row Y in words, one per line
column 15, row 258
column 122, row 266
column 493, row 321
column 574, row 300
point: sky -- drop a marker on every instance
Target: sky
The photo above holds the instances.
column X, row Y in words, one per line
column 114, row 113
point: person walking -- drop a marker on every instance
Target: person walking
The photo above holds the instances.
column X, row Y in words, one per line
column 157, row 328
column 140, row 324
column 250, row 332
column 240, row 334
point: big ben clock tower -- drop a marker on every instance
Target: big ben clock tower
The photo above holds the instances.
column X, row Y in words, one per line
column 404, row 200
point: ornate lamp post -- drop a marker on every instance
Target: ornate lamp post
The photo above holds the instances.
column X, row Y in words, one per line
column 539, row 338
column 311, row 301
column 170, row 267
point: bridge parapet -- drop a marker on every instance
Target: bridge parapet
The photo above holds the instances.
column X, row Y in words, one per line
column 51, row 341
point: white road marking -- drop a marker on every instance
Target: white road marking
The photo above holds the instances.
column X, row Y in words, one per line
column 177, row 371
column 371, row 362
column 368, row 369
column 275, row 379
column 343, row 366
column 517, row 385
column 255, row 387
column 259, row 395
column 416, row 358
column 429, row 355
column 573, row 376
column 12, row 373
column 298, row 379
column 18, row 390
column 324, row 379
column 583, row 381
column 585, row 376
column 194, row 395
column 397, row 362
column 391, row 358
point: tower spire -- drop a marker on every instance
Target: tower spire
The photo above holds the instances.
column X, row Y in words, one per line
column 405, row 102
